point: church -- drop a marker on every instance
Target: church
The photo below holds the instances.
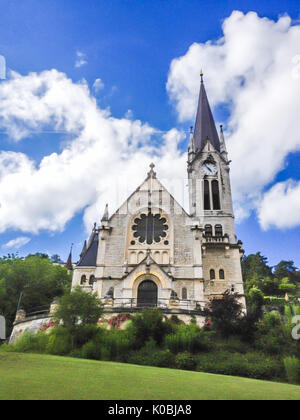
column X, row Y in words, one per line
column 152, row 253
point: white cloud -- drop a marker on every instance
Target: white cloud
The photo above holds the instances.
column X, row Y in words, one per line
column 104, row 153
column 80, row 59
column 98, row 85
column 280, row 206
column 254, row 70
column 17, row 243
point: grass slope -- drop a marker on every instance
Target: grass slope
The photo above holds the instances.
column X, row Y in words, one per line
column 30, row 376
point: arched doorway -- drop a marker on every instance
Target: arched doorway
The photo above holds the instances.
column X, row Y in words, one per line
column 147, row 294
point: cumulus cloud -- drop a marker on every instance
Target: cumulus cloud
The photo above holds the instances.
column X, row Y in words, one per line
column 17, row 243
column 103, row 161
column 80, row 59
column 254, row 70
column 280, row 206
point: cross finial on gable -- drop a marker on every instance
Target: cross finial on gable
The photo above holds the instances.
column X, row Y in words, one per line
column 151, row 173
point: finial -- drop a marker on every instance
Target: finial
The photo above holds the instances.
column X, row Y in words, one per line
column 151, row 173
column 105, row 215
column 201, row 75
column 221, row 128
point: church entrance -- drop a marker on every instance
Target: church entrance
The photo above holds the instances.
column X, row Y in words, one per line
column 147, row 294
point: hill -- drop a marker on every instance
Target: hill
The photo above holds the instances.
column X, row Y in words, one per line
column 31, row 376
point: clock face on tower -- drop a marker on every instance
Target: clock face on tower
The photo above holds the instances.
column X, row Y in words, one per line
column 209, row 168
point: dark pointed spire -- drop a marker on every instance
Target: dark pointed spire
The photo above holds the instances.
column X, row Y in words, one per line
column 205, row 127
column 69, row 264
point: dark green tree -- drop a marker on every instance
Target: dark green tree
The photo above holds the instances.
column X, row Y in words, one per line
column 287, row 269
column 255, row 265
column 79, row 308
column 35, row 279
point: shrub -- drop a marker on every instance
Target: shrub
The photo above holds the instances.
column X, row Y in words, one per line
column 29, row 342
column 149, row 324
column 91, row 350
column 292, row 369
column 114, row 345
column 152, row 356
column 82, row 334
column 187, row 338
column 185, row 361
column 249, row 365
column 60, row 342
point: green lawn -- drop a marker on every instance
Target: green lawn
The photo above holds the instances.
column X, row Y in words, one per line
column 30, row 376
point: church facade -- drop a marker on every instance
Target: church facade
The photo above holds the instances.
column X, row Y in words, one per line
column 151, row 252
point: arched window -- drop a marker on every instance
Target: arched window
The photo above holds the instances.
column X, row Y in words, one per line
column 83, row 280
column 218, row 230
column 216, row 195
column 221, row 275
column 212, row 274
column 206, row 195
column 184, row 293
column 208, row 230
column 91, row 280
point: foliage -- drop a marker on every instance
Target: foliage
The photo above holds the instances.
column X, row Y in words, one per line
column 60, row 342
column 287, row 287
column 28, row 343
column 185, row 361
column 36, row 277
column 251, row 365
column 255, row 264
column 149, row 324
column 292, row 369
column 79, row 307
column 287, row 269
column 187, row 338
column 224, row 313
column 150, row 355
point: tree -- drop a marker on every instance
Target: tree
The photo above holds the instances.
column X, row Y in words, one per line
column 224, row 313
column 79, row 308
column 56, row 258
column 286, row 286
column 255, row 264
column 36, row 278
column 286, row 269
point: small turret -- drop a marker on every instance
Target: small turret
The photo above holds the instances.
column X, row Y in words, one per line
column 223, row 149
column 105, row 215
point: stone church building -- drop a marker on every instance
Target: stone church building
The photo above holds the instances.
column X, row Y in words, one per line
column 151, row 252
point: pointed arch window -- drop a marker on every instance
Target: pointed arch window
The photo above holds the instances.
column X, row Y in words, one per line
column 212, row 274
column 218, row 230
column 208, row 230
column 91, row 280
column 206, row 195
column 221, row 275
column 184, row 293
column 215, row 195
column 83, row 280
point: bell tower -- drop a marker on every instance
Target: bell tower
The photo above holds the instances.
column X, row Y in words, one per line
column 208, row 172
column 210, row 202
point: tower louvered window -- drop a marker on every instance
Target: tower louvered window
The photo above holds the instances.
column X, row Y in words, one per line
column 206, row 195
column 215, row 195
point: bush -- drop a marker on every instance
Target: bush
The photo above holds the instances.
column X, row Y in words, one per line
column 149, row 324
column 60, row 342
column 187, row 338
column 82, row 334
column 292, row 369
column 249, row 365
column 152, row 356
column 185, row 361
column 29, row 342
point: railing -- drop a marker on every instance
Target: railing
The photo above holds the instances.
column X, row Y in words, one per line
column 214, row 239
column 131, row 303
column 41, row 310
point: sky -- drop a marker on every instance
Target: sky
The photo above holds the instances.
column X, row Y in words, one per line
column 91, row 92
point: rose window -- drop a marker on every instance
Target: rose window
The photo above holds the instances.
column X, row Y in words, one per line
column 150, row 228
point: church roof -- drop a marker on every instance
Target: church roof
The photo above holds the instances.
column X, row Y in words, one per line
column 205, row 127
column 89, row 258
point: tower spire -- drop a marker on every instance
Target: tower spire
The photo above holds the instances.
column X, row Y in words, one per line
column 223, row 149
column 205, row 127
column 69, row 265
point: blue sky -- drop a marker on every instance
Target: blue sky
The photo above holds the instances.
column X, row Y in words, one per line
column 129, row 45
